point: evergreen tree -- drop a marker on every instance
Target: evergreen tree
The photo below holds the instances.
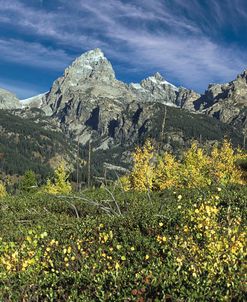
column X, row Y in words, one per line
column 28, row 182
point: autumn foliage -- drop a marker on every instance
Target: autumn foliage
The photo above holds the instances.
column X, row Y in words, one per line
column 3, row 191
column 60, row 183
column 197, row 168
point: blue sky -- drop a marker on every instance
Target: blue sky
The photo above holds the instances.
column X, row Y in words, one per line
column 190, row 42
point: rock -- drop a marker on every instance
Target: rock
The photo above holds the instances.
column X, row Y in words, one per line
column 186, row 99
column 157, row 89
column 89, row 78
column 34, row 102
column 90, row 103
column 227, row 102
column 8, row 100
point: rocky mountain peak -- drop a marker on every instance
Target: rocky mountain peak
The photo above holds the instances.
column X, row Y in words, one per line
column 158, row 80
column 8, row 100
column 93, row 54
column 92, row 65
column 158, row 77
column 88, row 100
column 227, row 102
column 243, row 74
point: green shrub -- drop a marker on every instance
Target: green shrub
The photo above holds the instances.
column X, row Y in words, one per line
column 28, row 183
column 159, row 246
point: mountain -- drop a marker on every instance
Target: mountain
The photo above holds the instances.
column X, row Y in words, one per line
column 33, row 102
column 88, row 104
column 92, row 76
column 8, row 100
column 227, row 102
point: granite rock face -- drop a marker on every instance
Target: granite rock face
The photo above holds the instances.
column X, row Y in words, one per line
column 8, row 100
column 227, row 102
column 156, row 89
column 34, row 102
column 90, row 103
column 186, row 99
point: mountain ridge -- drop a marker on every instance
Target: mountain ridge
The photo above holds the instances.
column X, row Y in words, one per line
column 8, row 100
column 91, row 77
column 89, row 105
column 87, row 98
column 83, row 68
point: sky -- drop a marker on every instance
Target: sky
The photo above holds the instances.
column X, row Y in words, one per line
column 190, row 42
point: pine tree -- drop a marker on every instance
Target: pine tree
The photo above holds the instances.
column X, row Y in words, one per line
column 28, row 182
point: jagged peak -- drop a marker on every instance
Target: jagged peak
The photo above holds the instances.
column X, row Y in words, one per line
column 243, row 74
column 8, row 100
column 92, row 55
column 210, row 85
column 89, row 59
column 91, row 64
column 157, row 78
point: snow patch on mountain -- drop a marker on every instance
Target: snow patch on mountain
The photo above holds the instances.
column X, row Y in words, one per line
column 35, row 101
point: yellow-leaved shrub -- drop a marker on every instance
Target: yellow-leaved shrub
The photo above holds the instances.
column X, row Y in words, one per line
column 3, row 191
column 195, row 169
column 142, row 175
column 167, row 172
column 206, row 245
column 60, row 185
column 223, row 164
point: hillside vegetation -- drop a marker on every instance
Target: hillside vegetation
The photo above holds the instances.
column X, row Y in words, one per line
column 35, row 142
column 26, row 144
column 184, row 243
column 196, row 169
column 192, row 126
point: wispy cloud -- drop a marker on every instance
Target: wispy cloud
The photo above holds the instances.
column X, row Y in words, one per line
column 181, row 39
column 192, row 59
column 33, row 54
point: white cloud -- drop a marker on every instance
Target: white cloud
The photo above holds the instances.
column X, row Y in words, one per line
column 143, row 34
column 33, row 54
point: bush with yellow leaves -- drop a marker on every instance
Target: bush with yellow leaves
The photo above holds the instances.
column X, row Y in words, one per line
column 3, row 191
column 192, row 247
column 223, row 164
column 142, row 175
column 196, row 169
column 60, row 185
column 167, row 172
column 206, row 246
column 207, row 251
